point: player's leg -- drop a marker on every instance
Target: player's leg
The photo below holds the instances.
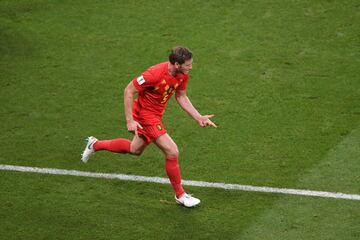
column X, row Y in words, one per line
column 118, row 145
column 167, row 145
column 170, row 149
column 138, row 145
column 122, row 145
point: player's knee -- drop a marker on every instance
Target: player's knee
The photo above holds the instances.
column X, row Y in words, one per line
column 172, row 152
column 136, row 151
column 137, row 147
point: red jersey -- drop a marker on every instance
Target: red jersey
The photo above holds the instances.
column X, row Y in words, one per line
column 156, row 85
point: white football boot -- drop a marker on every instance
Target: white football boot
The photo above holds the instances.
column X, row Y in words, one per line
column 89, row 149
column 187, row 200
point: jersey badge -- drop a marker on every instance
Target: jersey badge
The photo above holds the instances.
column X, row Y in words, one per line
column 140, row 80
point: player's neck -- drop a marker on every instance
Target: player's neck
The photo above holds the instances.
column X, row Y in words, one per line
column 172, row 70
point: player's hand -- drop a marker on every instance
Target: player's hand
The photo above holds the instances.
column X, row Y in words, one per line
column 132, row 126
column 205, row 121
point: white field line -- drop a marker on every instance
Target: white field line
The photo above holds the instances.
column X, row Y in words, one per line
column 160, row 180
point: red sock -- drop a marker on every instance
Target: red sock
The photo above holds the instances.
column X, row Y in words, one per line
column 118, row 145
column 173, row 172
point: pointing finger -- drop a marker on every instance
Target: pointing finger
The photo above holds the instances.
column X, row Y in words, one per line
column 213, row 124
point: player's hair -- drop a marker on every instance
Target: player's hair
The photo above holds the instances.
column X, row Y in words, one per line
column 179, row 55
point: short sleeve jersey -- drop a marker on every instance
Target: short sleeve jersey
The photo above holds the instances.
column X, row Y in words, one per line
column 155, row 87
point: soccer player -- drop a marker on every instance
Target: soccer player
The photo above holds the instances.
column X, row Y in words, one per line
column 144, row 116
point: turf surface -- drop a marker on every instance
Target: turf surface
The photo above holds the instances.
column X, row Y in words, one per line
column 281, row 78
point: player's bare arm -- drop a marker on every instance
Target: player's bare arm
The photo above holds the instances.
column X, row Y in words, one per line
column 185, row 103
column 129, row 93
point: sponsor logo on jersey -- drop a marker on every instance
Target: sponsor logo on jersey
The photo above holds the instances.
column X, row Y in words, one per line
column 140, row 80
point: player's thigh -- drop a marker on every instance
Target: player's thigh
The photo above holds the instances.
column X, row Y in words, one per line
column 167, row 145
column 138, row 145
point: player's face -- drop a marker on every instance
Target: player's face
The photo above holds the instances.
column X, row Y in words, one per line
column 185, row 67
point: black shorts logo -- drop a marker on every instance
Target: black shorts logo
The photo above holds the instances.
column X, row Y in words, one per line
column 158, row 126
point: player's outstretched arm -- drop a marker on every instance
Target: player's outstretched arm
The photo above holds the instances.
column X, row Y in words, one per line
column 186, row 104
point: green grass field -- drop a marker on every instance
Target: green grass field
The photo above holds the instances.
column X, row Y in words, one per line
column 281, row 77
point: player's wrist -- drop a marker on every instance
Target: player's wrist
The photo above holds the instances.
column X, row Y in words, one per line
column 130, row 120
column 198, row 117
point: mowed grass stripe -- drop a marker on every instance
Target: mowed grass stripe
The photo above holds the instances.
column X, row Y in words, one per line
column 124, row 177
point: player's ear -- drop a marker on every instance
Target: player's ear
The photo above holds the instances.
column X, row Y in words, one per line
column 177, row 65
